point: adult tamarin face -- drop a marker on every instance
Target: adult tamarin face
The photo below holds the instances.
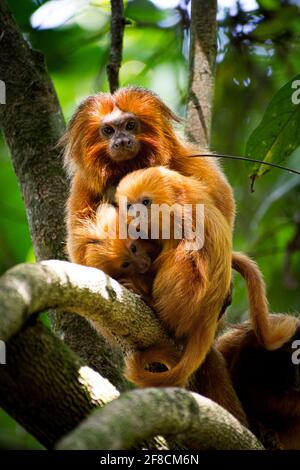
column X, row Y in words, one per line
column 113, row 134
column 121, row 131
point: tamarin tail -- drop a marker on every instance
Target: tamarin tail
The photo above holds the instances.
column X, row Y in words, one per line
column 271, row 336
column 197, row 346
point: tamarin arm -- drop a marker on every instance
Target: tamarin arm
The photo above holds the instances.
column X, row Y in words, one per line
column 82, row 204
column 139, row 286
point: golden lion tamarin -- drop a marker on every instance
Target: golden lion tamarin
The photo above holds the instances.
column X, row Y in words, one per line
column 267, row 382
column 111, row 135
column 128, row 261
column 190, row 285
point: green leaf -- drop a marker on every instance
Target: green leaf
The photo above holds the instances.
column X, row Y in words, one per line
column 278, row 134
column 269, row 4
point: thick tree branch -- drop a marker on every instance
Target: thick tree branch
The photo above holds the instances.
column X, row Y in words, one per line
column 119, row 314
column 141, row 414
column 31, row 288
column 202, row 62
column 116, row 49
column 62, row 397
column 46, row 387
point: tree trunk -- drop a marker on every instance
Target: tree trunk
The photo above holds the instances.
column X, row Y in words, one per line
column 201, row 75
column 33, row 123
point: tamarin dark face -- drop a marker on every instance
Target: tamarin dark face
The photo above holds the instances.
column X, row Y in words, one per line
column 121, row 130
column 111, row 135
column 136, row 257
column 122, row 258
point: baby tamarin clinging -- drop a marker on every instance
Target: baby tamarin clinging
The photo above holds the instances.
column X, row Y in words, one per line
column 189, row 286
column 267, row 382
column 126, row 260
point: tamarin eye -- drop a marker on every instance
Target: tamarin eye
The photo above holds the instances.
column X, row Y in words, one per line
column 130, row 125
column 146, row 202
column 125, row 264
column 108, row 130
column 133, row 249
column 129, row 206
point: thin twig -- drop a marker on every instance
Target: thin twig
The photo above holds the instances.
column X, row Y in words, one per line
column 116, row 48
column 246, row 159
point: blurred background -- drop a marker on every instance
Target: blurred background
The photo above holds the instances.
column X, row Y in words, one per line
column 258, row 52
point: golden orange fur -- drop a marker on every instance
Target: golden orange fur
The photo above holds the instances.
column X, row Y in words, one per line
column 190, row 286
column 270, row 335
column 95, row 170
column 128, row 261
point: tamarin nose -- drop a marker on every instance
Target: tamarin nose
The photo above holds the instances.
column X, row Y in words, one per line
column 123, row 142
column 144, row 265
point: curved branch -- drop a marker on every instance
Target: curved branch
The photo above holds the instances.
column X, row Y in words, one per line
column 32, row 288
column 113, row 311
column 46, row 387
column 198, row 422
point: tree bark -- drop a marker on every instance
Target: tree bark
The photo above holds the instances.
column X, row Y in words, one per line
column 33, row 123
column 31, row 288
column 28, row 289
column 201, row 74
column 196, row 421
column 113, row 311
column 46, row 387
column 117, row 26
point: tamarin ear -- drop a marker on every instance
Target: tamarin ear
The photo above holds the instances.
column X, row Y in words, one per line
column 166, row 111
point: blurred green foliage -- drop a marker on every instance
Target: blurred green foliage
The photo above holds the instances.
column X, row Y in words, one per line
column 258, row 53
column 277, row 135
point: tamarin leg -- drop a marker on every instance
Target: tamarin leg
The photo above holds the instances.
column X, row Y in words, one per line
column 213, row 381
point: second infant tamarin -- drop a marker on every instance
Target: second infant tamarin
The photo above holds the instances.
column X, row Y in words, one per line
column 126, row 260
